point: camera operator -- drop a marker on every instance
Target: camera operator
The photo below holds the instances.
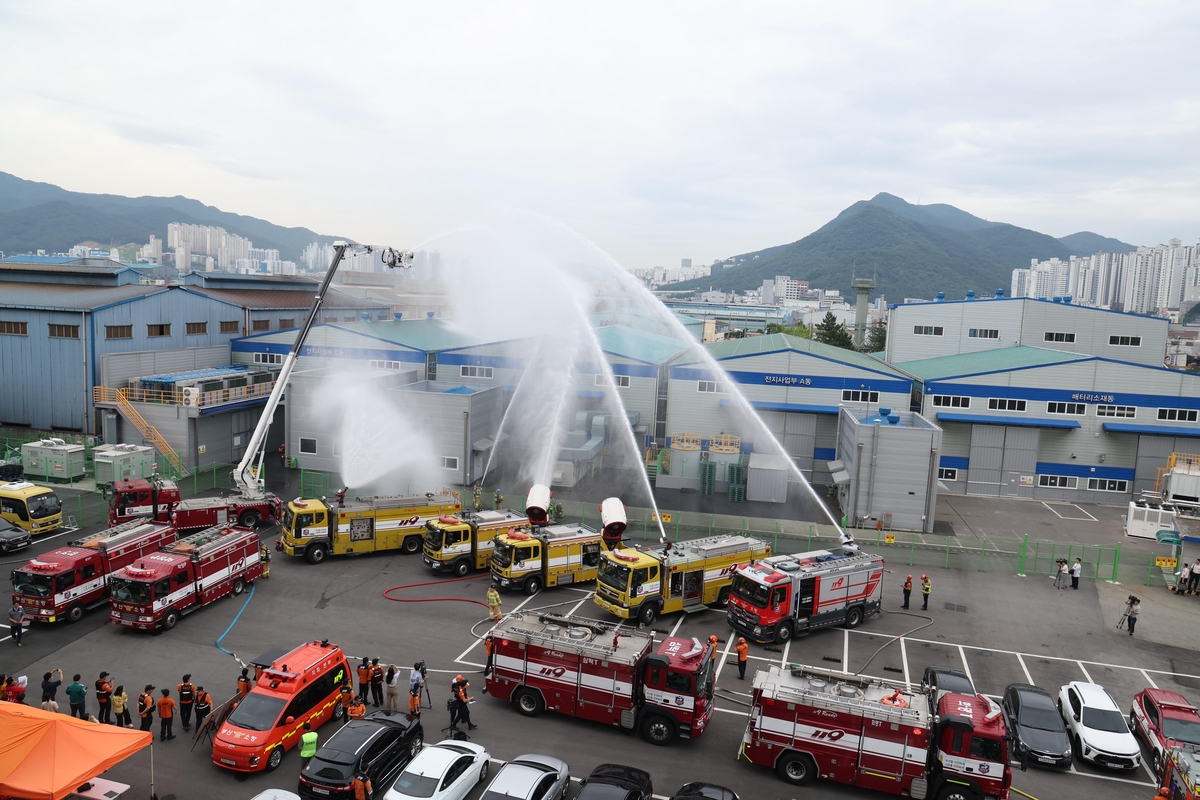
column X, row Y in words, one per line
column 1134, row 610
column 416, row 680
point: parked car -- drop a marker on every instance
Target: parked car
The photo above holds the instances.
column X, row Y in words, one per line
column 531, row 777
column 275, row 794
column 378, row 744
column 704, row 791
column 616, row 782
column 444, row 771
column 1038, row 732
column 12, row 537
column 945, row 681
column 1096, row 726
column 1159, row 715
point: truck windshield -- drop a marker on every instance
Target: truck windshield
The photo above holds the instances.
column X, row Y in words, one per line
column 31, row 584
column 704, row 685
column 257, row 712
column 131, row 591
column 433, row 536
column 1182, row 730
column 44, row 505
column 502, row 553
column 614, row 575
column 751, row 591
column 289, row 517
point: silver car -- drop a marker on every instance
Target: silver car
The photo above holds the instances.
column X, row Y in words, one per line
column 530, row 777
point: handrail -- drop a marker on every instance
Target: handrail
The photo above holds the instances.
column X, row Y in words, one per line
column 105, row 394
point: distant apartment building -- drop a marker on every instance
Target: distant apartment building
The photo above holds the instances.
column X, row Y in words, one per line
column 209, row 240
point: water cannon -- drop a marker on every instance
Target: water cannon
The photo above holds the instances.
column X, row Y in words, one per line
column 537, row 504
column 849, row 546
column 612, row 517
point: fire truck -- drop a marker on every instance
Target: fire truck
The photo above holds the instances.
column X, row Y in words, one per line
column 1180, row 773
column 595, row 671
column 784, row 596
column 62, row 583
column 196, row 570
column 644, row 583
column 315, row 529
column 808, row 723
column 138, row 497
column 553, row 556
column 464, row 542
column 245, row 511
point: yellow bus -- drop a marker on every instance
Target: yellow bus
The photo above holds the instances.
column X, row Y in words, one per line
column 37, row 509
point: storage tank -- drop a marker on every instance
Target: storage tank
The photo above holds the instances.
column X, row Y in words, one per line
column 53, row 459
column 116, row 462
column 537, row 504
column 612, row 517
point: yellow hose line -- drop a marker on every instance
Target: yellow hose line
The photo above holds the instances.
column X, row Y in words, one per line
column 1023, row 794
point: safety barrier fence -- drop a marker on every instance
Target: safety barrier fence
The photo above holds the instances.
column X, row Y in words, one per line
column 216, row 397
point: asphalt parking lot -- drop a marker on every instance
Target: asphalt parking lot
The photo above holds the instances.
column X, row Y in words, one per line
column 1000, row 628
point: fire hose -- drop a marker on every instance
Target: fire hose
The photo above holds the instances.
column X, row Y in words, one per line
column 387, row 592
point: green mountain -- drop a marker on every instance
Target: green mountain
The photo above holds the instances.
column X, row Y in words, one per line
column 43, row 216
column 911, row 250
column 1085, row 243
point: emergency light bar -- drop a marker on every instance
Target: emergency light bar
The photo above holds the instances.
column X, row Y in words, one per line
column 43, row 566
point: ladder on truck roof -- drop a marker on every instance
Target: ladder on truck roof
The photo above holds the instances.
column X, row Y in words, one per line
column 822, row 699
column 116, row 535
column 204, row 540
column 562, row 643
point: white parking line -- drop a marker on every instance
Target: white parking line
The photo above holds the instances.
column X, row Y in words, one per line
column 575, row 607
column 724, row 658
column 1074, row 771
column 966, row 667
column 463, row 655
column 904, row 660
column 1149, row 680
column 678, row 622
column 1084, row 518
column 846, row 650
column 63, row 532
column 1028, row 677
column 1085, row 672
column 787, row 646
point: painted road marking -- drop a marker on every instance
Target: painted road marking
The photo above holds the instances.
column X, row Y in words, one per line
column 1085, row 672
column 846, row 649
column 1084, row 518
column 966, row 667
column 464, row 653
column 1149, row 680
column 904, row 659
column 678, row 622
column 787, row 647
column 1028, row 677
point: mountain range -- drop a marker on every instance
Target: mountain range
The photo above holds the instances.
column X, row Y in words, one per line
column 910, row 250
column 43, row 216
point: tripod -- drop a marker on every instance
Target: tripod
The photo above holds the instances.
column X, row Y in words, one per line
column 1124, row 618
column 451, row 731
column 1060, row 579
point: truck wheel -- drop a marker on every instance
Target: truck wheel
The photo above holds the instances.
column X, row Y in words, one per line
column 784, row 632
column 648, row 613
column 411, row 545
column 796, row 768
column 657, row 729
column 723, row 598
column 249, row 519
column 854, row 617
column 316, row 553
column 275, row 759
column 529, row 702
column 461, row 568
column 239, row 586
column 955, row 791
column 533, row 586
column 74, row 614
column 170, row 619
column 339, row 711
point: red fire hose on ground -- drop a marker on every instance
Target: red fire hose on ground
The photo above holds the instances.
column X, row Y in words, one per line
column 387, row 592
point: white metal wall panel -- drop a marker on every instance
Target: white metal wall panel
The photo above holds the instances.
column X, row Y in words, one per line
column 987, row 459
column 1020, row 461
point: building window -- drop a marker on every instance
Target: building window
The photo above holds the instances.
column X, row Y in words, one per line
column 475, row 372
column 855, row 396
column 947, row 474
column 158, row 330
column 308, row 446
column 1078, row 409
column 951, row 401
column 449, row 462
column 1168, row 414
column 14, row 328
column 1058, row 482
column 385, row 365
column 712, row 387
column 285, row 324
column 620, row 381
column 118, row 331
column 927, row 330
column 1104, row 485
column 229, row 326
column 1056, row 336
column 268, row 358
column 1128, row 412
column 261, row 325
column 983, row 333
column 1125, row 341
column 1005, row 404
column 197, row 328
column 349, row 319
column 64, row 331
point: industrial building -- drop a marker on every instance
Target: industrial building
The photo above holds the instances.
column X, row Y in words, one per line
column 278, row 303
column 946, row 328
column 797, row 387
column 1032, row 422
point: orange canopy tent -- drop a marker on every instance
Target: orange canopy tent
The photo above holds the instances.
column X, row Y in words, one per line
column 46, row 756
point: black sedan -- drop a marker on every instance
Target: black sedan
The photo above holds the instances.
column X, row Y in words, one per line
column 378, row 744
column 12, row 537
column 1039, row 736
column 616, row 782
column 704, row 791
column 947, row 681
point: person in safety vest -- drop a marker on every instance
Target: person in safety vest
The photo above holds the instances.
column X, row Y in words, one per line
column 477, row 496
column 187, row 698
column 907, row 590
column 146, row 707
column 497, row 500
column 376, row 683
column 364, row 679
column 489, row 647
column 926, row 590
column 308, row 745
column 362, row 786
column 243, row 682
column 104, row 689
column 203, row 706
column 358, row 709
column 712, row 642
column 346, row 698
column 493, row 601
column 743, row 653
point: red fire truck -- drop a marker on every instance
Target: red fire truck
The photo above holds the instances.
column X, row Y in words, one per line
column 807, row 723
column 1179, row 777
column 592, row 670
column 196, row 570
column 779, row 597
column 62, row 583
column 137, row 497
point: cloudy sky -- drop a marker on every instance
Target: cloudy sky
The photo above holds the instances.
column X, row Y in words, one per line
column 658, row 130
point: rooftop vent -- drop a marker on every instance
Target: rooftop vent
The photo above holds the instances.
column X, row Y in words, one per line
column 941, row 297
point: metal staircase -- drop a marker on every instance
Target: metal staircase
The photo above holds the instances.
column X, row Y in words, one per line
column 120, row 397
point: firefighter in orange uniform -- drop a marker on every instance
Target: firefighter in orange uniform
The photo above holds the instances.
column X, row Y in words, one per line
column 364, row 679
column 346, row 698
column 743, row 653
column 358, row 709
column 712, row 641
column 907, row 591
column 362, row 786
column 243, row 683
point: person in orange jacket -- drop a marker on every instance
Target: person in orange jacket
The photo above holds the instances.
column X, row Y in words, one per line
column 358, row 709
column 145, row 707
column 743, row 653
column 907, row 590
column 243, row 682
column 166, row 716
column 712, row 641
column 364, row 679
column 346, row 698
column 362, row 786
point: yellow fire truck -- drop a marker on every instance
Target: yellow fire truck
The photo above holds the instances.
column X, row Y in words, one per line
column 644, row 583
column 462, row 543
column 554, row 556
column 315, row 529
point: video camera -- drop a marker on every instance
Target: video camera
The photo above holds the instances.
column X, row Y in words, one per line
column 420, row 667
column 1133, row 598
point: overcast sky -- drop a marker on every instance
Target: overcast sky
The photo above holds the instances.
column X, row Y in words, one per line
column 658, row 130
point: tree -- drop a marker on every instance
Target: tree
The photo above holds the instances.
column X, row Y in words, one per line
column 830, row 331
column 799, row 331
column 876, row 338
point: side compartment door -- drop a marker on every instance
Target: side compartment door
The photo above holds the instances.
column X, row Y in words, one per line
column 881, row 755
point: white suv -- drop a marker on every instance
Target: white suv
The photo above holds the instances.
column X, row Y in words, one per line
column 1097, row 727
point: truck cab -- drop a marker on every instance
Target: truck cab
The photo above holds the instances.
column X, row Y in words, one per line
column 464, row 542
column 972, row 746
column 35, row 508
column 137, row 497
column 308, row 527
column 545, row 557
